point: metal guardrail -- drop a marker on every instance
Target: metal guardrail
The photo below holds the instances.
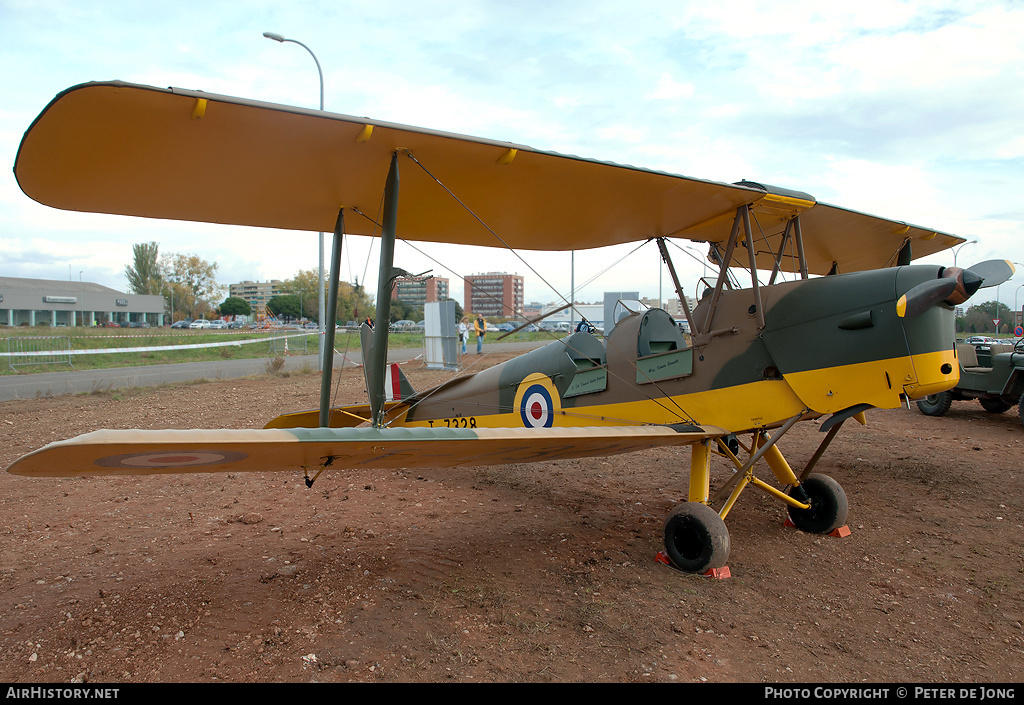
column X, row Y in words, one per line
column 39, row 350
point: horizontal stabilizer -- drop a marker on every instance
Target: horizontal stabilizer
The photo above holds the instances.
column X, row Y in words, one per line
column 143, row 452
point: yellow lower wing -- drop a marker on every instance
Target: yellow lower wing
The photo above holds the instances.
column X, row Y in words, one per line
column 141, row 452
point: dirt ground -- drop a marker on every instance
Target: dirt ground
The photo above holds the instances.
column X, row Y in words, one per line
column 535, row 573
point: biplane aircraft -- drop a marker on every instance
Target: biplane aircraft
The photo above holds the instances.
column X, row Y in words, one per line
column 857, row 327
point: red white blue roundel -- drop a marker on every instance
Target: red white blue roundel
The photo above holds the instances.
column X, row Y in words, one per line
column 171, row 459
column 537, row 410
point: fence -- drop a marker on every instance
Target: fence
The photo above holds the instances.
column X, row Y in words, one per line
column 282, row 346
column 23, row 351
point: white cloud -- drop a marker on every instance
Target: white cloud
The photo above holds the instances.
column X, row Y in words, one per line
column 906, row 109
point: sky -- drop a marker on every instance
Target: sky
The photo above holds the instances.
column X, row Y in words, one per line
column 908, row 110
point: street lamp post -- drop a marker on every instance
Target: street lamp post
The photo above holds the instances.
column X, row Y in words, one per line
column 1015, row 309
column 956, row 250
column 320, row 292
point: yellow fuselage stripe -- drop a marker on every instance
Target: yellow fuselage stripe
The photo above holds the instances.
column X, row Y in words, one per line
column 766, row 402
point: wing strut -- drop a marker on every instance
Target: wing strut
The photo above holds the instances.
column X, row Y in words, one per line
column 679, row 288
column 331, row 323
column 377, row 346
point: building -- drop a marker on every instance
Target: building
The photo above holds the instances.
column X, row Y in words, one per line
column 675, row 309
column 419, row 292
column 257, row 294
column 594, row 313
column 494, row 294
column 34, row 302
column 617, row 304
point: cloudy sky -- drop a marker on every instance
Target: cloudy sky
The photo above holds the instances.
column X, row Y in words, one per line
column 909, row 110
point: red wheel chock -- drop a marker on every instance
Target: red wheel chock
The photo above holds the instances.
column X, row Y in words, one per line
column 841, row 533
column 717, row 573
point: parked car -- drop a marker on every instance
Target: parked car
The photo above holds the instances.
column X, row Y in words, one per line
column 992, row 373
column 235, row 325
column 219, row 325
column 183, row 323
column 201, row 323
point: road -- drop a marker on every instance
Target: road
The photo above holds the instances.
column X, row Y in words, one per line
column 32, row 385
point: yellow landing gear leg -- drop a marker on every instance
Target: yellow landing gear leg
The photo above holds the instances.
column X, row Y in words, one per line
column 818, row 505
column 696, row 540
column 700, row 472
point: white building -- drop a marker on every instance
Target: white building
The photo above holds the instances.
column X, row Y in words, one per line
column 34, row 302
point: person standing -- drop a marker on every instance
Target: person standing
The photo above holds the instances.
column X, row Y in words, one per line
column 480, row 328
column 463, row 332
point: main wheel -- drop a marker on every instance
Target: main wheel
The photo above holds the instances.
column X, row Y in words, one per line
column 935, row 404
column 696, row 539
column 994, row 404
column 829, row 505
column 1020, row 406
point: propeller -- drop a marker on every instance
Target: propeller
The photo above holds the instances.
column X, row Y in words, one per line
column 954, row 286
column 923, row 296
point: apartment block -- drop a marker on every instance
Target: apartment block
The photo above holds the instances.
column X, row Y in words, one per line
column 417, row 292
column 494, row 294
column 257, row 294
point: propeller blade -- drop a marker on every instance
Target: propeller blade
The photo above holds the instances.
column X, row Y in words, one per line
column 993, row 272
column 923, row 296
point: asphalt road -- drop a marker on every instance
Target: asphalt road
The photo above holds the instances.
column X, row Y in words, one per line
column 31, row 385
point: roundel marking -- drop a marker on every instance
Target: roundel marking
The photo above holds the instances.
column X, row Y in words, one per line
column 537, row 410
column 171, row 459
column 537, row 402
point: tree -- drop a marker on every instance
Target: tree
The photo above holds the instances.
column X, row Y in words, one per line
column 353, row 303
column 404, row 311
column 284, row 305
column 144, row 275
column 234, row 306
column 304, row 285
column 192, row 280
column 978, row 318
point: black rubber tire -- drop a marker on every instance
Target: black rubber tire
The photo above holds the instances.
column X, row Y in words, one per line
column 1020, row 406
column 994, row 405
column 935, row 404
column 696, row 538
column 829, row 506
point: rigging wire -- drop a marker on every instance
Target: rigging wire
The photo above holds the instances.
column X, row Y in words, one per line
column 680, row 412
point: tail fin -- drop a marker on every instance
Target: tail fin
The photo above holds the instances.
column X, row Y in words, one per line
column 396, row 386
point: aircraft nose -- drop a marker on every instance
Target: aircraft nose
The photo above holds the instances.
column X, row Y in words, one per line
column 967, row 284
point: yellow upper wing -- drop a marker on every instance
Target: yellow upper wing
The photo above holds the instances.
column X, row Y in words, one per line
column 187, row 155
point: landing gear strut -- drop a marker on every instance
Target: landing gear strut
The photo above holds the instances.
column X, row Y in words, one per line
column 696, row 538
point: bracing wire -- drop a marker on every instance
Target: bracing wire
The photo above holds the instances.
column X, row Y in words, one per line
column 679, row 411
